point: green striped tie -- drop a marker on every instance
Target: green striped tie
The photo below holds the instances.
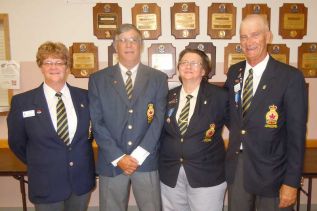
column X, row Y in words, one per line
column 128, row 84
column 62, row 125
column 247, row 93
column 183, row 117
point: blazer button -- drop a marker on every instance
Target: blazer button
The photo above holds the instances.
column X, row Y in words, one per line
column 129, row 143
column 129, row 127
column 71, row 163
column 182, row 140
column 130, row 111
column 243, row 132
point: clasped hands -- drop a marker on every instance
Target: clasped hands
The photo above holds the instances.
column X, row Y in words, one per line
column 128, row 164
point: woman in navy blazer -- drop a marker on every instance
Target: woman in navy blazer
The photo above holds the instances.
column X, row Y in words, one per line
column 191, row 160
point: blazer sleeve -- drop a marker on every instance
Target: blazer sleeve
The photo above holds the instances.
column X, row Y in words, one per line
column 107, row 145
column 17, row 136
column 296, row 106
column 152, row 135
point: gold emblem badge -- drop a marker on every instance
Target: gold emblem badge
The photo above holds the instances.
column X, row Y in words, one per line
column 209, row 133
column 271, row 117
column 150, row 112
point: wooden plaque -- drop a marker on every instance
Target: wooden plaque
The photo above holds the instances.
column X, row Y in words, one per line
column 185, row 20
column 233, row 55
column 162, row 57
column 112, row 56
column 147, row 18
column 307, row 59
column 280, row 52
column 210, row 50
column 293, row 21
column 221, row 21
column 261, row 9
column 107, row 17
column 84, row 59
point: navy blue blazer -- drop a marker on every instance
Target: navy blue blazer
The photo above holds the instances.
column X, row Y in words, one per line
column 55, row 170
column 120, row 124
column 273, row 132
column 201, row 149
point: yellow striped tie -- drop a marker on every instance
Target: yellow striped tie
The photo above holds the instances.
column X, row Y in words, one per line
column 128, row 84
column 183, row 117
column 62, row 124
column 247, row 93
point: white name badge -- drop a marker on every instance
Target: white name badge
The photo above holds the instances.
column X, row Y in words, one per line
column 29, row 113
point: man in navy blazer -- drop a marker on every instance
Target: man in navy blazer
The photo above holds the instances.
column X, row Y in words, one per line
column 127, row 106
column 60, row 174
column 267, row 133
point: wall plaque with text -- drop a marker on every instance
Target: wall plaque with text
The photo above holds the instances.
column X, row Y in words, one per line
column 260, row 9
column 233, row 55
column 307, row 59
column 280, row 52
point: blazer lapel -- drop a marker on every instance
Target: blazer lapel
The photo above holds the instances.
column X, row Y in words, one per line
column 172, row 107
column 140, row 83
column 77, row 106
column 118, row 83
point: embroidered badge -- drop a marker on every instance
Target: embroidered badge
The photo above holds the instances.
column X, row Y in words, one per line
column 271, row 117
column 209, row 133
column 150, row 112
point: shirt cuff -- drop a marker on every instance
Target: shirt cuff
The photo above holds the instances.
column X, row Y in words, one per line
column 115, row 162
column 140, row 154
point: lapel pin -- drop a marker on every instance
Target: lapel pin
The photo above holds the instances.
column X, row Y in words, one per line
column 115, row 82
column 38, row 111
column 264, row 87
column 82, row 105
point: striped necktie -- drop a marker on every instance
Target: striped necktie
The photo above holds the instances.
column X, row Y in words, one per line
column 183, row 117
column 62, row 125
column 128, row 84
column 247, row 93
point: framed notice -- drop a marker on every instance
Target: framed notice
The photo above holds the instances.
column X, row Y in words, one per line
column 5, row 94
column 84, row 59
column 293, row 21
column 280, row 52
column 185, row 20
column 147, row 18
column 307, row 59
column 106, row 17
column 162, row 57
column 210, row 50
column 261, row 9
column 221, row 21
column 233, row 55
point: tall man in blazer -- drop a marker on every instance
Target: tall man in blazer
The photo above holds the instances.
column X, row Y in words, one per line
column 268, row 115
column 127, row 106
column 53, row 142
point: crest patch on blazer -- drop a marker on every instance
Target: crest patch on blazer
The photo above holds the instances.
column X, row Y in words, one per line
column 271, row 117
column 209, row 133
column 150, row 112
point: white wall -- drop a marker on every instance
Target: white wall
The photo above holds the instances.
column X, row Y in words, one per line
column 33, row 22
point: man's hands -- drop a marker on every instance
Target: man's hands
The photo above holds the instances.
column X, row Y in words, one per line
column 288, row 196
column 128, row 164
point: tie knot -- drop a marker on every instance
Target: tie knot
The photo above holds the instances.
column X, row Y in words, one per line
column 251, row 71
column 58, row 94
column 188, row 97
column 129, row 73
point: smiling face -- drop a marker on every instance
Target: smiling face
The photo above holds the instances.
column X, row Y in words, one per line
column 128, row 46
column 190, row 68
column 254, row 37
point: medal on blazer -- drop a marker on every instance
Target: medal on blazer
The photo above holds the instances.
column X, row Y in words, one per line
column 237, row 88
column 271, row 117
column 209, row 133
column 150, row 112
column 169, row 114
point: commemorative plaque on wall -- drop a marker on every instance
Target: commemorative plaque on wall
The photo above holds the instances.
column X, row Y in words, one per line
column 293, row 21
column 147, row 18
column 209, row 49
column 162, row 57
column 260, row 9
column 84, row 59
column 233, row 55
column 112, row 55
column 221, row 21
column 307, row 59
column 185, row 20
column 107, row 17
column 280, row 52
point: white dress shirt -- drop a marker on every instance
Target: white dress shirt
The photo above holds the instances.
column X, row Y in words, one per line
column 51, row 100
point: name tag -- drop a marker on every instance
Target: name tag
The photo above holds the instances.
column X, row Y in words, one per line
column 29, row 113
column 237, row 87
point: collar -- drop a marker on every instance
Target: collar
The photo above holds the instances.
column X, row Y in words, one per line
column 259, row 68
column 133, row 69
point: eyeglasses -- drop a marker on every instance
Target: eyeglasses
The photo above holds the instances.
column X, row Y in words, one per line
column 51, row 63
column 131, row 40
column 192, row 64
